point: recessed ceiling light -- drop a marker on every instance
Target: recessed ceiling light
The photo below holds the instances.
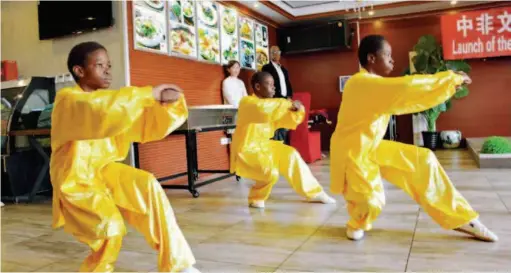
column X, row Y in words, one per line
column 371, row 13
column 256, row 5
column 454, row 2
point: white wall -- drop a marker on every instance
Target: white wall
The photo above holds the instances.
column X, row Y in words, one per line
column 20, row 42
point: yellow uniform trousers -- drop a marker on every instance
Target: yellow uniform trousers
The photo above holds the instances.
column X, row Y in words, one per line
column 292, row 167
column 416, row 171
column 136, row 196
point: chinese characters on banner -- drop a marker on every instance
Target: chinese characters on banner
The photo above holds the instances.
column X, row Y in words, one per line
column 477, row 34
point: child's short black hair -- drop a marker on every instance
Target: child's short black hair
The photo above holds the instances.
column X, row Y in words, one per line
column 79, row 54
column 258, row 77
column 369, row 45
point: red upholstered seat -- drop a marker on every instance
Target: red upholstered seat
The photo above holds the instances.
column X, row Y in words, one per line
column 307, row 143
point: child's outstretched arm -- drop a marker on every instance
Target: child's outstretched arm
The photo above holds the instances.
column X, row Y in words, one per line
column 276, row 110
column 293, row 117
column 408, row 94
column 79, row 115
column 159, row 121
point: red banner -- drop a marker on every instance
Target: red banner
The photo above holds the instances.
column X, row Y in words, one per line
column 477, row 34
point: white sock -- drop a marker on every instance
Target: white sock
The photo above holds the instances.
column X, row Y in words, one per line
column 322, row 197
column 257, row 204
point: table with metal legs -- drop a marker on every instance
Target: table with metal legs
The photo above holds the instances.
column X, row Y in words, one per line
column 192, row 164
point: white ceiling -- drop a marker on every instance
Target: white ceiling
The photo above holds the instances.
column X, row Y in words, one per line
column 302, row 4
column 297, row 8
column 301, row 8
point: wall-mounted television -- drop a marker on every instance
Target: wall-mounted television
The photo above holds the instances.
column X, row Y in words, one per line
column 64, row 18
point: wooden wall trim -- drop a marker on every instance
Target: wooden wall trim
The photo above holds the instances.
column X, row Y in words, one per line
column 278, row 10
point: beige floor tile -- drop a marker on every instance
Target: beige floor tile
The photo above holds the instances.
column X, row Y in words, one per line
column 33, row 256
column 204, row 219
column 268, row 256
column 341, row 261
column 250, row 246
column 16, row 267
column 485, row 201
column 221, row 267
column 463, row 255
column 135, row 241
column 136, row 261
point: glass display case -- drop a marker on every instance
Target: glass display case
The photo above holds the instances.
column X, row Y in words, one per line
column 22, row 103
column 25, row 143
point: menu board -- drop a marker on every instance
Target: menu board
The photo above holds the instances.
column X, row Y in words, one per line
column 262, row 51
column 247, row 47
column 149, row 26
column 229, row 34
column 209, row 38
column 205, row 30
column 182, row 22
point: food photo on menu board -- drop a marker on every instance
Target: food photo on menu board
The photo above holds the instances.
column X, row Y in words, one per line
column 262, row 51
column 182, row 11
column 149, row 25
column 247, row 47
column 247, row 54
column 229, row 34
column 209, row 38
column 182, row 28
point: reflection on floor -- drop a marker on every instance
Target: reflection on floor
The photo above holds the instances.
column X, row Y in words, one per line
column 289, row 235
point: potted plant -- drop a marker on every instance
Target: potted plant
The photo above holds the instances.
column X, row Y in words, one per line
column 429, row 60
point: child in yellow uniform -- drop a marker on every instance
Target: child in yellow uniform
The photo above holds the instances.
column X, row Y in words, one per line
column 255, row 156
column 360, row 158
column 92, row 128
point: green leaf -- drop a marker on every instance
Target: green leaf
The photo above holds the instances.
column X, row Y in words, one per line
column 442, row 107
column 461, row 92
column 426, row 43
column 421, row 62
column 448, row 105
column 458, row 65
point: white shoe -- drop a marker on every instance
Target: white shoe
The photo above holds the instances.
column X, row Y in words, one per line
column 354, row 234
column 323, row 198
column 190, row 269
column 478, row 230
column 259, row 204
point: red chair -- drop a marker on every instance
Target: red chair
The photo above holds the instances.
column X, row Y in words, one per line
column 307, row 143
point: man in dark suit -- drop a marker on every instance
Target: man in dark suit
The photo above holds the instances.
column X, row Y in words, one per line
column 283, row 87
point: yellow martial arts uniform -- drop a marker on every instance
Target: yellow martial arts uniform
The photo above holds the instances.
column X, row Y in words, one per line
column 255, row 156
column 92, row 194
column 360, row 158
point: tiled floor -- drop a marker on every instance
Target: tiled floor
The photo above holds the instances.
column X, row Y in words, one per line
column 289, row 235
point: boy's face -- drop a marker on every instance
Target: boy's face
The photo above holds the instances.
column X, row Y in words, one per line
column 96, row 73
column 266, row 89
column 382, row 63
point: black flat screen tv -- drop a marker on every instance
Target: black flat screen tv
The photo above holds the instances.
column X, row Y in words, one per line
column 64, row 18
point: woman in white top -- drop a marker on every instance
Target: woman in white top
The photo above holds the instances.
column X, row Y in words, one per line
column 233, row 89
